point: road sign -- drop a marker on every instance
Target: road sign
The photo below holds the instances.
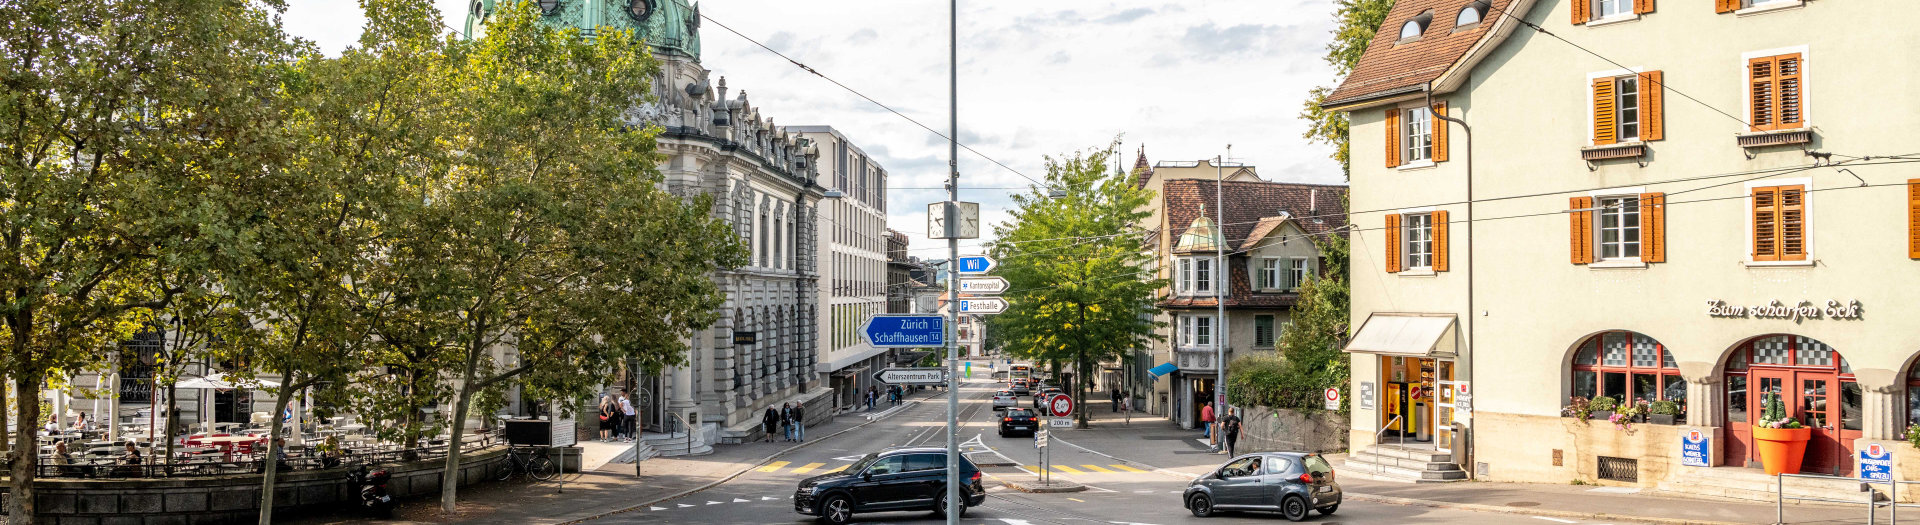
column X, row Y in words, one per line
column 1040, row 438
column 983, row 285
column 1333, row 399
column 911, row 376
column 1060, row 405
column 904, row 331
column 1876, row 463
column 972, row 264
column 983, row 305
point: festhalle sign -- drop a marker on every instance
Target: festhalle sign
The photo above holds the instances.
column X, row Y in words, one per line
column 1777, row 310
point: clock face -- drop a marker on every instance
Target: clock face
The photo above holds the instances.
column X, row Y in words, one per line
column 640, row 9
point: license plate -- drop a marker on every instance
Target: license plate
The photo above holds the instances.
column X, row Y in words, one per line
column 1326, row 489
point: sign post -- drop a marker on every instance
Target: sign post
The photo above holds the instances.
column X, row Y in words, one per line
column 904, row 330
column 911, row 376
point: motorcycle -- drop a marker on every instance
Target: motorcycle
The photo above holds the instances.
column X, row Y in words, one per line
column 374, row 497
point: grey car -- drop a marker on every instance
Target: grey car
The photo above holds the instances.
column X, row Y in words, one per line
column 1290, row 483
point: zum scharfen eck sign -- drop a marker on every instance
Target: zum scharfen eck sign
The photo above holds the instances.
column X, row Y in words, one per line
column 1775, row 310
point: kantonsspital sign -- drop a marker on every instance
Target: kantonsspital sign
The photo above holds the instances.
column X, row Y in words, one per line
column 1876, row 463
column 983, row 305
column 976, row 264
column 983, row 285
column 911, row 376
column 904, row 331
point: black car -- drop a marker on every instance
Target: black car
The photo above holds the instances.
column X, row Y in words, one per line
column 1041, row 395
column 1018, row 420
column 1290, row 483
column 890, row 480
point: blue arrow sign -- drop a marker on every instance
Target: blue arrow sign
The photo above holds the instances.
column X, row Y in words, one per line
column 977, row 264
column 904, row 331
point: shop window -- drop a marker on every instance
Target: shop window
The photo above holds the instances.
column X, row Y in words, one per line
column 1628, row 367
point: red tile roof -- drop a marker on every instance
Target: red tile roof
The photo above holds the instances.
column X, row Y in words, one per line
column 1391, row 67
column 1318, row 209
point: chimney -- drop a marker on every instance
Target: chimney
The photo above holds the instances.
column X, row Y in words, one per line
column 1313, row 200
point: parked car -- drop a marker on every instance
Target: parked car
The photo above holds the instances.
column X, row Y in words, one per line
column 902, row 479
column 1005, row 399
column 1041, row 395
column 1290, row 483
column 1018, row 420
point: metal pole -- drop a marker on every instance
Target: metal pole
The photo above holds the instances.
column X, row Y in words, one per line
column 1220, row 300
column 1779, row 499
column 953, row 262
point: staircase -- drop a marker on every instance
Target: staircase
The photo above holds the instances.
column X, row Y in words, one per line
column 644, row 450
column 677, row 443
column 1404, row 463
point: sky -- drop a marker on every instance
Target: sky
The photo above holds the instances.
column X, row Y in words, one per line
column 1036, row 77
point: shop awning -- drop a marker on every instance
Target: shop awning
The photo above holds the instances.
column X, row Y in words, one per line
column 1163, row 369
column 1416, row 335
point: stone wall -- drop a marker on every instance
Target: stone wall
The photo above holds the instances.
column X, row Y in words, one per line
column 1267, row 430
column 232, row 499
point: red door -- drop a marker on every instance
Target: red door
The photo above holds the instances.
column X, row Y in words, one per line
column 1818, row 407
column 1749, row 405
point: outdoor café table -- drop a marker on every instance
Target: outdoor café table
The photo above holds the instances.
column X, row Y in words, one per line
column 226, row 443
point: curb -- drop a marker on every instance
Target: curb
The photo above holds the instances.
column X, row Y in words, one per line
column 1052, row 488
column 1529, row 511
column 729, row 477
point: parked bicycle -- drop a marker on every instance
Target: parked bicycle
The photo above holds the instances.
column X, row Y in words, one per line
column 532, row 461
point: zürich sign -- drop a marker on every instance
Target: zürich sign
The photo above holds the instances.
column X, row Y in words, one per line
column 1777, row 310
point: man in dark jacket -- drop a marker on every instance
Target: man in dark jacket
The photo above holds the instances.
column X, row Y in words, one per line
column 770, row 422
column 799, row 422
column 1230, row 429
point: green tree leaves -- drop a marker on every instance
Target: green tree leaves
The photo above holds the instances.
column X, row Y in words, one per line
column 1359, row 20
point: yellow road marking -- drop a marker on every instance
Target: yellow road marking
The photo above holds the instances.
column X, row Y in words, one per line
column 808, row 468
column 837, row 469
column 1126, row 468
column 1030, row 470
column 1067, row 469
column 1096, row 468
column 1078, row 499
column 775, row 466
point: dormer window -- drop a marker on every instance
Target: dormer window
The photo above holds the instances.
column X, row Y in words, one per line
column 1415, row 26
column 1470, row 15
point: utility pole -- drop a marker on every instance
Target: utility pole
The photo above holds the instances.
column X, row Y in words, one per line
column 952, row 210
column 1219, row 298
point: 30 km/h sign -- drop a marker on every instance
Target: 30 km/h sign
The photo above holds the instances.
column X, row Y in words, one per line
column 911, row 376
column 984, row 285
column 983, row 305
column 976, row 264
column 905, row 331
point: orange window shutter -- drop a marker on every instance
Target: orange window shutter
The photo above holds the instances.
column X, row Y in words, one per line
column 1652, row 123
column 1913, row 219
column 1766, row 224
column 1726, row 6
column 1641, row 7
column 1793, row 223
column 1653, row 227
column 1787, row 101
column 1582, row 11
column 1580, row 233
column 1603, row 112
column 1761, row 93
column 1393, row 137
column 1393, row 243
column 1440, row 132
column 1440, row 241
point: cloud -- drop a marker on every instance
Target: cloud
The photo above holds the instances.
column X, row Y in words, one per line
column 1125, row 16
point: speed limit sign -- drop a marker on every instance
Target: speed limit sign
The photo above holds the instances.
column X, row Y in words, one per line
column 1060, row 405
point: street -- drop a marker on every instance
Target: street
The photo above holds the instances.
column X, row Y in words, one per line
column 1117, row 491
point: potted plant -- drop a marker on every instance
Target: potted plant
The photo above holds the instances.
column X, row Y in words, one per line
column 1663, row 412
column 1602, row 407
column 1577, row 408
column 1782, row 440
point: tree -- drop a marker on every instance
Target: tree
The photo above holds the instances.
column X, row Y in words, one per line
column 128, row 128
column 1074, row 270
column 1358, row 21
column 1308, row 357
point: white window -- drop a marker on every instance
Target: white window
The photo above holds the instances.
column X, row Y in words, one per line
column 1606, row 8
column 1411, row 30
column 1619, row 227
column 1418, row 239
column 1270, row 273
column 1196, row 331
column 1196, row 276
column 1417, row 135
column 1298, row 272
column 1626, row 107
column 1469, row 15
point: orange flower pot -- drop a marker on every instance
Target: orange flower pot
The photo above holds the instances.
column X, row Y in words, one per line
column 1781, row 449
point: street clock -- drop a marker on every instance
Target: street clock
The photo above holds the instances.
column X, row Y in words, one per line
column 966, row 217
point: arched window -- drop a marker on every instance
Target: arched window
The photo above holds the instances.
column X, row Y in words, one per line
column 1412, row 29
column 1470, row 15
column 1627, row 366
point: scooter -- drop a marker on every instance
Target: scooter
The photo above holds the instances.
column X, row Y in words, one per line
column 374, row 497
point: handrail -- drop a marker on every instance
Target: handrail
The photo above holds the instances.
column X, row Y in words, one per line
column 1780, row 496
column 1377, row 467
column 684, row 423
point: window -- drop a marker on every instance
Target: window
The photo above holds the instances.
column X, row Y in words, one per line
column 1418, row 228
column 1414, row 27
column 1412, row 139
column 1779, row 223
column 918, row 462
column 1196, row 276
column 1299, row 273
column 1632, row 228
column 1607, row 8
column 1796, row 352
column 1626, row 108
column 888, row 465
column 1752, row 3
column 1196, row 331
column 1619, row 228
column 1469, row 15
column 1417, row 241
column 1263, row 331
column 1773, row 92
column 1417, row 130
column 1628, row 367
column 1270, row 273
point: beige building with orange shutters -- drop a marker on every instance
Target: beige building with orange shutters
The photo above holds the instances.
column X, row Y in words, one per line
column 1685, row 202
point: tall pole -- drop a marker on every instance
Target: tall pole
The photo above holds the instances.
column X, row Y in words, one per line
column 1220, row 294
column 952, row 210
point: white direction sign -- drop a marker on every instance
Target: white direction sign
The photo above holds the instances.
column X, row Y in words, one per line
column 912, row 376
column 983, row 285
column 1060, row 422
column 983, row 305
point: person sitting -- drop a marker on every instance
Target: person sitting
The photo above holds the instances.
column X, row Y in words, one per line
column 330, row 452
column 61, row 455
column 132, row 456
column 1253, row 469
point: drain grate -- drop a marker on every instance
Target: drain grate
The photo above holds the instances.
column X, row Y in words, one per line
column 1619, row 469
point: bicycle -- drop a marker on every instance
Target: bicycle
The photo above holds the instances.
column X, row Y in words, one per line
column 532, row 461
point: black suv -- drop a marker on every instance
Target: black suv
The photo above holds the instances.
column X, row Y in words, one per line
column 896, row 479
column 1018, row 420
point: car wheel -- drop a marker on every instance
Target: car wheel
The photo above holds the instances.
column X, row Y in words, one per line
column 941, row 509
column 837, row 510
column 1328, row 510
column 1294, row 508
column 1201, row 505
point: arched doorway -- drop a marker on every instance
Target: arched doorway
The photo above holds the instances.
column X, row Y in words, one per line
column 1817, row 387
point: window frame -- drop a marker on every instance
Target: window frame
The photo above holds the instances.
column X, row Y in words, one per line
column 1270, row 273
column 1621, row 110
column 1623, row 8
column 1299, row 270
column 1640, row 100
column 1598, row 370
column 1412, row 128
column 1601, row 214
column 1190, row 331
column 1806, row 222
column 1408, row 256
column 1272, row 334
column 1195, row 273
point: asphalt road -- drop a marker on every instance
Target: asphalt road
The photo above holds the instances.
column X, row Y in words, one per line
column 1117, row 494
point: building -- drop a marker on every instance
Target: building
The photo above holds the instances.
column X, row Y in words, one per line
column 1265, row 246
column 1700, row 247
column 855, row 262
column 899, row 274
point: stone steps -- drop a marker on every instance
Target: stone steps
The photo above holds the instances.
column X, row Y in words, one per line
column 1754, row 485
column 1404, row 464
column 676, row 444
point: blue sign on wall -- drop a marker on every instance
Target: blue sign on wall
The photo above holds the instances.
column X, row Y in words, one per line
column 1695, row 447
column 905, row 331
column 1876, row 463
column 977, row 264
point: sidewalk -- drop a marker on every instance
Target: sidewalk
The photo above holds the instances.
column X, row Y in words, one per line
column 1154, row 443
column 612, row 488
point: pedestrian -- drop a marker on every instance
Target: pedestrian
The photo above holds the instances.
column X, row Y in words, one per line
column 1116, row 399
column 627, row 416
column 800, row 423
column 786, row 420
column 771, row 422
column 609, row 416
column 1206, row 420
column 1230, row 428
column 871, row 396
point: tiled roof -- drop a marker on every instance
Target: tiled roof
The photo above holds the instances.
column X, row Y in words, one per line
column 1142, row 169
column 1318, row 209
column 1260, row 231
column 1389, row 67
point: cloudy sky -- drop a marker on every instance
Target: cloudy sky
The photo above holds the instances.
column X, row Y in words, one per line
column 1037, row 77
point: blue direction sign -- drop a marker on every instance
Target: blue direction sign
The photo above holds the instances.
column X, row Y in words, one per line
column 977, row 264
column 904, row 331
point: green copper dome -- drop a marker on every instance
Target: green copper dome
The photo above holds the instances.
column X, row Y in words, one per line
column 670, row 26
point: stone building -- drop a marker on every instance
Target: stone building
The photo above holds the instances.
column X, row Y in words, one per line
column 855, row 263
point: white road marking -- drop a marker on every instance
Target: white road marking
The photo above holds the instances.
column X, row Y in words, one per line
column 767, row 498
column 738, row 500
column 848, row 458
column 1554, row 519
column 683, row 505
column 1143, row 492
column 713, row 503
column 1011, row 521
column 656, row 508
column 1615, row 490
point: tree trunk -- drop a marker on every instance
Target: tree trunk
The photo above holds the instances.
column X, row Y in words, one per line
column 272, row 459
column 173, row 422
column 1080, row 386
column 450, row 476
column 20, row 478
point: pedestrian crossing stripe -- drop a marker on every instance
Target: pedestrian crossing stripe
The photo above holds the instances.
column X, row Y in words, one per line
column 1127, row 468
column 1030, row 470
column 775, row 466
column 1066, row 469
column 808, row 468
column 837, row 469
column 1096, row 468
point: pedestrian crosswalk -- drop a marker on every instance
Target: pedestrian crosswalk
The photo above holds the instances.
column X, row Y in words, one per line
column 817, row 468
column 1084, row 469
column 808, row 468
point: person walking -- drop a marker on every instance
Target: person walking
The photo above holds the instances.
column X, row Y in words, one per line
column 627, row 416
column 609, row 416
column 1115, row 394
column 1206, row 420
column 872, row 395
column 1230, row 429
column 800, row 423
column 786, row 421
column 770, row 422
